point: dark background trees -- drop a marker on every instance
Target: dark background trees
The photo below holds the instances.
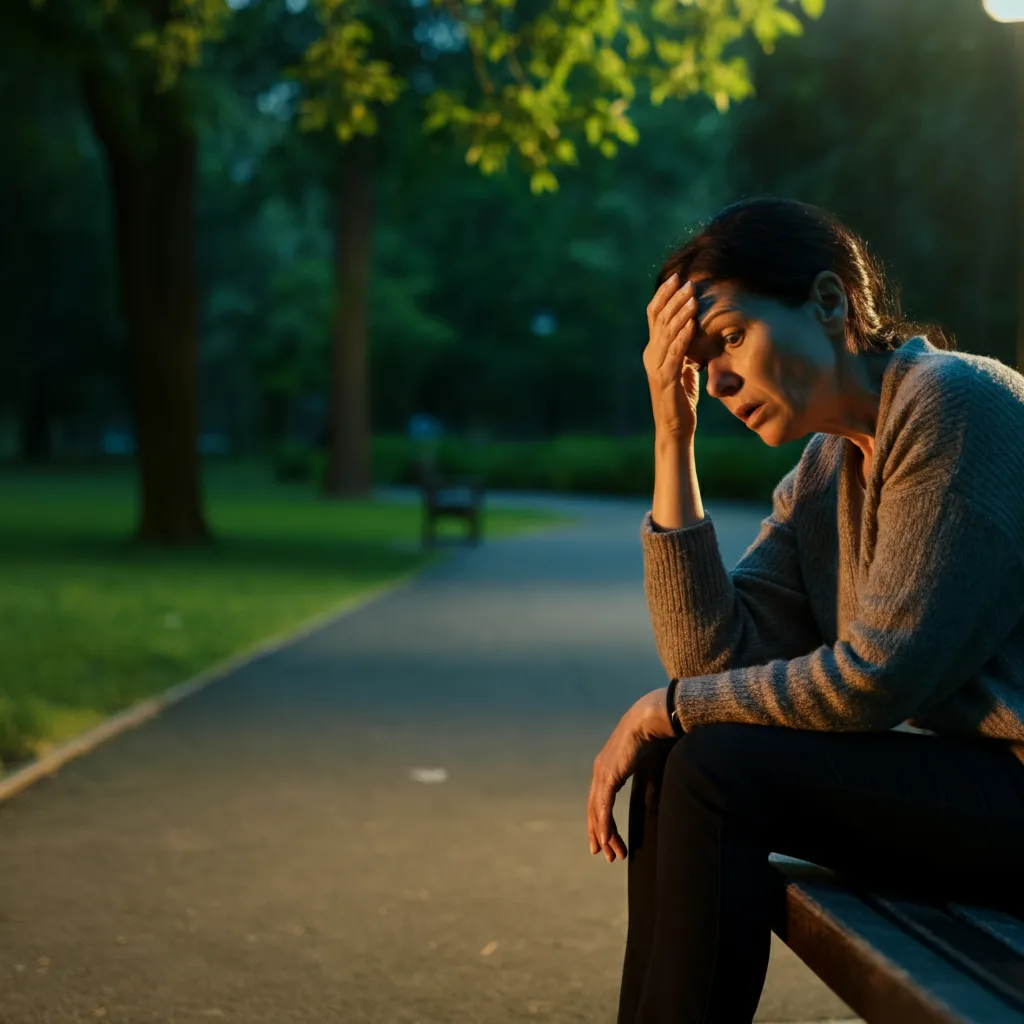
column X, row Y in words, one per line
column 503, row 312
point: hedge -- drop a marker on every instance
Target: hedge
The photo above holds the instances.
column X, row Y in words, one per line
column 736, row 468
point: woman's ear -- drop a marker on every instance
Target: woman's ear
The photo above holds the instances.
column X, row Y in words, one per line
column 828, row 302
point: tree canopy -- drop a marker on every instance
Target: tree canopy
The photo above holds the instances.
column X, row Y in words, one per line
column 494, row 302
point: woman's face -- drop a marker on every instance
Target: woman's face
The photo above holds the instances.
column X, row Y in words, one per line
column 757, row 350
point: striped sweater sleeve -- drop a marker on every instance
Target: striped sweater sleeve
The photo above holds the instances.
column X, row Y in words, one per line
column 707, row 619
column 944, row 591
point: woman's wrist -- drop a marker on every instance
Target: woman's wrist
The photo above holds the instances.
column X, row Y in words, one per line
column 670, row 708
column 676, row 502
column 655, row 723
column 672, row 444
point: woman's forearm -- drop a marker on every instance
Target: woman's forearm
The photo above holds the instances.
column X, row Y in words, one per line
column 676, row 491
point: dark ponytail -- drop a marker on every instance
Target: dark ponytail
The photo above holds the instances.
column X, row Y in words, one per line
column 777, row 247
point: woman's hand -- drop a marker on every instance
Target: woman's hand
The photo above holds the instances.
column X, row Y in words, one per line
column 673, row 379
column 646, row 720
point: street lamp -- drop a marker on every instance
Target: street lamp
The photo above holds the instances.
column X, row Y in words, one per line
column 1013, row 11
column 1004, row 10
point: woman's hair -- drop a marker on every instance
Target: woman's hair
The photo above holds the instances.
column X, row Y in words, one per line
column 776, row 248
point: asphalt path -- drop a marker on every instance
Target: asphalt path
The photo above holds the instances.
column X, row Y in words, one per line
column 384, row 821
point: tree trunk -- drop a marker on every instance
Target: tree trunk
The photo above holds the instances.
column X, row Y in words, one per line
column 154, row 192
column 348, row 463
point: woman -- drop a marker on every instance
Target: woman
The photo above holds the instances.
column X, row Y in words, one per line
column 886, row 587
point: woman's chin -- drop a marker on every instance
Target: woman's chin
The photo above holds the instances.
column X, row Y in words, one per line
column 770, row 433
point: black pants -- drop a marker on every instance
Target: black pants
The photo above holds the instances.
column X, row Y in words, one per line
column 914, row 811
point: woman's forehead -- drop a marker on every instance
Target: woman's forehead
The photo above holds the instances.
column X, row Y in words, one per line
column 715, row 297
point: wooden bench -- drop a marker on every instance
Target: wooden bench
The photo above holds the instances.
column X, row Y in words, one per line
column 896, row 960
column 455, row 496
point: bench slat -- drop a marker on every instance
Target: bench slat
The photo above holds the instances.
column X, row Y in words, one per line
column 454, row 497
column 885, row 974
column 972, row 949
column 1004, row 927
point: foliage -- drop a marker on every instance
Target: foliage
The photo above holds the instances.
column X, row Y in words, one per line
column 343, row 81
column 564, row 74
column 733, row 468
column 168, row 37
column 60, row 337
column 176, row 42
column 544, row 78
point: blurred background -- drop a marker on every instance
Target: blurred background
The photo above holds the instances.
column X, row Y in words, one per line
column 257, row 257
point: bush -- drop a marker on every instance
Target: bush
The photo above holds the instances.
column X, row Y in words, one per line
column 735, row 468
column 294, row 463
column 22, row 724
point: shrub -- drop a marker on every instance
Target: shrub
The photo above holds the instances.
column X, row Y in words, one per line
column 22, row 724
column 293, row 463
column 735, row 468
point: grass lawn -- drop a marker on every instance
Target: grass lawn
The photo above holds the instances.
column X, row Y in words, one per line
column 93, row 623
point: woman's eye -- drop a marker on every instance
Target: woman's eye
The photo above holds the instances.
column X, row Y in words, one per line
column 735, row 338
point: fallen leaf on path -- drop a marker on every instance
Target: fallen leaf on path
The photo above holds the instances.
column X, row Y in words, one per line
column 489, row 949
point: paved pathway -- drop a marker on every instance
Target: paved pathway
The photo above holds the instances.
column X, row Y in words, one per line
column 261, row 853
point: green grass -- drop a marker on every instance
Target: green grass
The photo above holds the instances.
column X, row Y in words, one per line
column 94, row 623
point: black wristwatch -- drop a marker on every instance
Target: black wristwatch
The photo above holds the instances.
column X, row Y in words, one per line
column 670, row 707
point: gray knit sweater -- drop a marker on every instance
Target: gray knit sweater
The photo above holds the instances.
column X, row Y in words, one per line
column 856, row 610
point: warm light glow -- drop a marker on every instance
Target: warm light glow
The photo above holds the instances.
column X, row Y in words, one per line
column 1004, row 10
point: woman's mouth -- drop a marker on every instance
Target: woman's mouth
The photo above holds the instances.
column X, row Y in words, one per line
column 756, row 417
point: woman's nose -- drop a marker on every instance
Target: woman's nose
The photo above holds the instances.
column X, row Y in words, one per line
column 721, row 383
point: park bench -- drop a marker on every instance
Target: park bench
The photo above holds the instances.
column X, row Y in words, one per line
column 454, row 496
column 896, row 960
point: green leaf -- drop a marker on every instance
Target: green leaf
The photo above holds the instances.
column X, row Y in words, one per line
column 499, row 47
column 565, row 151
column 543, row 181
column 639, row 45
